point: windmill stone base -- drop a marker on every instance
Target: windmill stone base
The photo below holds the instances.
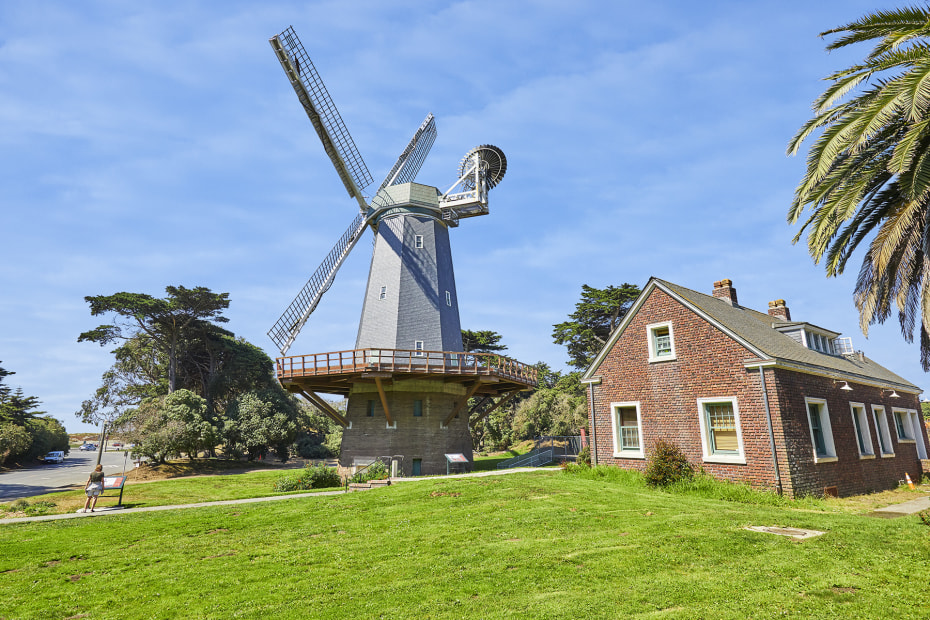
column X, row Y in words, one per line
column 422, row 441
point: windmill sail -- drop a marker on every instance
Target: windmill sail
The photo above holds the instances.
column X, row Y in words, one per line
column 286, row 328
column 410, row 161
column 323, row 114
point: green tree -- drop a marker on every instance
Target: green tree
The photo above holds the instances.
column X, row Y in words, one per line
column 595, row 317
column 258, row 420
column 868, row 171
column 165, row 321
column 556, row 409
column 482, row 341
column 925, row 409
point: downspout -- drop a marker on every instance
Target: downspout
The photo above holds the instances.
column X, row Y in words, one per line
column 768, row 420
column 593, row 423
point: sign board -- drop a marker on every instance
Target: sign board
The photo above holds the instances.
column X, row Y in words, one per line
column 456, row 458
column 114, row 482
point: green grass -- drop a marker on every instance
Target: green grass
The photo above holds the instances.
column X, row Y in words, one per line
column 165, row 493
column 542, row 545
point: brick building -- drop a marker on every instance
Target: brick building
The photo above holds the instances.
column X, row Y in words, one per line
column 750, row 397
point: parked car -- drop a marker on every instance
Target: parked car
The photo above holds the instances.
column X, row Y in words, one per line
column 117, row 444
column 88, row 447
column 55, row 457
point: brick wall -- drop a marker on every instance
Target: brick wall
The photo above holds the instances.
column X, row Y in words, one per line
column 415, row 437
column 708, row 364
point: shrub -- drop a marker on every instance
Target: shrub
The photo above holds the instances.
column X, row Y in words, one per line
column 376, row 471
column 584, row 456
column 310, row 477
column 312, row 448
column 667, row 465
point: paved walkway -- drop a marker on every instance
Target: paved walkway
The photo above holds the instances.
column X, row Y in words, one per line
column 907, row 508
column 108, row 510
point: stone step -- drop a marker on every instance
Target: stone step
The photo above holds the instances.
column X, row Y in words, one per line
column 367, row 486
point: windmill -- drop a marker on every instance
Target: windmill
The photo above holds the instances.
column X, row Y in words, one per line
column 408, row 360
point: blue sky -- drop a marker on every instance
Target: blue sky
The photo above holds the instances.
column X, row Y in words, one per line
column 150, row 144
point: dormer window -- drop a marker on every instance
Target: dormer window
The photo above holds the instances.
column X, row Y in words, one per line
column 819, row 342
column 661, row 342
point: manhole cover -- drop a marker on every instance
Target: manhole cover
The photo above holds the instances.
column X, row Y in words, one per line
column 793, row 532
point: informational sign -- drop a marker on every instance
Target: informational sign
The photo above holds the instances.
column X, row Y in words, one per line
column 114, row 482
column 456, row 458
column 456, row 462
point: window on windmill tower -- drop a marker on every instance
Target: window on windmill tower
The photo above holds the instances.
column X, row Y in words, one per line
column 418, row 408
column 418, row 241
column 448, row 298
column 383, row 292
column 370, row 411
column 418, row 347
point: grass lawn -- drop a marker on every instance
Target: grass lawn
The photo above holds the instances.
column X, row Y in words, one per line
column 164, row 493
column 542, row 544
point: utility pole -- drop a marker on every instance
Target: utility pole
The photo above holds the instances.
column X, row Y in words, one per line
column 103, row 430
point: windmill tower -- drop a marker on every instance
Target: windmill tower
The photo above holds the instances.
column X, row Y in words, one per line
column 407, row 380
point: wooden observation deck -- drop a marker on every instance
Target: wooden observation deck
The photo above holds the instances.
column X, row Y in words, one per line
column 482, row 374
column 335, row 372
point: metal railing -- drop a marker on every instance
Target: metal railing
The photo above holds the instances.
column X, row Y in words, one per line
column 546, row 450
column 405, row 360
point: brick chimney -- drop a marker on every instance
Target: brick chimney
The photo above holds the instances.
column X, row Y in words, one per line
column 724, row 290
column 779, row 310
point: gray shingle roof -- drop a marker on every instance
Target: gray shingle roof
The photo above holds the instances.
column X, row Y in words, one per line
column 756, row 329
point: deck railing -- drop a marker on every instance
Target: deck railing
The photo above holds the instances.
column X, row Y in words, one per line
column 407, row 361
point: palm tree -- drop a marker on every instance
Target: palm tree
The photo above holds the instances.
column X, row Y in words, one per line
column 869, row 170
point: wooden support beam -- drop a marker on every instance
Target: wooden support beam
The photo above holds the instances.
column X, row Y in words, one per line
column 325, row 407
column 387, row 411
column 500, row 402
column 458, row 407
column 484, row 399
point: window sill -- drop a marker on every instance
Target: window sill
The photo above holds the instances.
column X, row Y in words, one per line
column 906, row 441
column 735, row 459
column 664, row 358
column 887, row 455
column 863, row 457
column 629, row 455
column 825, row 459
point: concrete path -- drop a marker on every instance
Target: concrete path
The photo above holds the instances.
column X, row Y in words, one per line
column 906, row 508
column 108, row 510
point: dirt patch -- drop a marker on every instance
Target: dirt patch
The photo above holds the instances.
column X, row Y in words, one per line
column 184, row 468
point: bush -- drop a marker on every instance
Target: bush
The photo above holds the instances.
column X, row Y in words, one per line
column 312, row 448
column 667, row 465
column 584, row 456
column 376, row 471
column 310, row 477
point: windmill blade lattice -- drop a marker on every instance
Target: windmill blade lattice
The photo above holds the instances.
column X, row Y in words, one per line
column 323, row 114
column 411, row 160
column 286, row 328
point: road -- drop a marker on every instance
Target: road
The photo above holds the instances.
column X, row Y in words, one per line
column 40, row 479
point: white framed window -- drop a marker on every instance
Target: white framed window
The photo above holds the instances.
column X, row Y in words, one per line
column 721, row 436
column 418, row 241
column 881, row 427
column 818, row 420
column 448, row 298
column 627, row 430
column 418, row 347
column 861, row 428
column 661, row 341
column 902, row 425
column 383, row 292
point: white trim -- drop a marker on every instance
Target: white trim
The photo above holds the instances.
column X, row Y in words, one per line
column 418, row 241
column 418, row 348
column 651, row 341
column 826, row 428
column 863, row 425
column 821, row 371
column 392, row 427
column 448, row 298
column 626, row 454
column 881, row 427
column 905, row 422
column 918, row 428
column 708, row 455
